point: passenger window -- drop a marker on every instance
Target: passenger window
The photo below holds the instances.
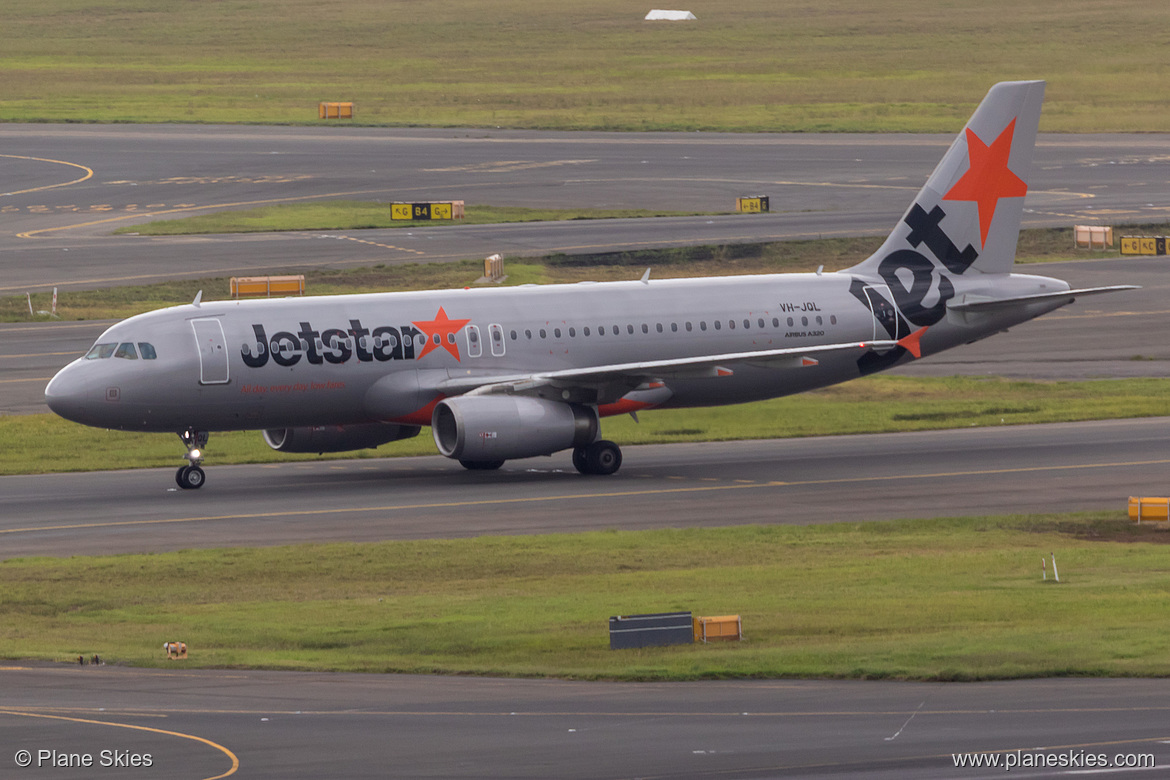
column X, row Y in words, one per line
column 645, row 328
column 101, row 351
column 731, row 324
column 126, row 351
column 658, row 327
column 790, row 322
column 717, row 325
column 702, row 324
column 572, row 333
column 747, row 324
column 775, row 322
column 804, row 321
column 585, row 331
column 615, row 330
column 146, row 349
column 674, row 327
column 688, row 327
column 630, row 329
column 761, row 322
column 819, row 320
column 557, row 332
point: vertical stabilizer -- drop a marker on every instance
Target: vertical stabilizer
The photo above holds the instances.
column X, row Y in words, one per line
column 967, row 216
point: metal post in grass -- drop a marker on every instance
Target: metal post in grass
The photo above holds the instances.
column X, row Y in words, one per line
column 1055, row 574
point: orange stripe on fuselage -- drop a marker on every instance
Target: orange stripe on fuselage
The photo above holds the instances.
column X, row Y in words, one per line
column 421, row 416
column 623, row 406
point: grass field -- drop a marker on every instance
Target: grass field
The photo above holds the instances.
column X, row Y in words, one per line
column 932, row 599
column 841, row 65
column 877, row 404
column 360, row 215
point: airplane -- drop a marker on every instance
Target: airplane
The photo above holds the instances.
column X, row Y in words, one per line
column 517, row 372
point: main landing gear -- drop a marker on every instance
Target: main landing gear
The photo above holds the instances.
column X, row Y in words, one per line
column 601, row 457
column 190, row 477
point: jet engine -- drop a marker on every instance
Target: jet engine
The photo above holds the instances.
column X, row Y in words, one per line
column 336, row 438
column 492, row 429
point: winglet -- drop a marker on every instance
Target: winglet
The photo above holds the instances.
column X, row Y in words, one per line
column 912, row 343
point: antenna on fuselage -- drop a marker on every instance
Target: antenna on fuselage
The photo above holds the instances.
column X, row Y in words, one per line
column 646, row 277
column 198, row 298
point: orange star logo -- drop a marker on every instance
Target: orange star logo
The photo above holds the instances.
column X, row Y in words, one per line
column 988, row 178
column 440, row 333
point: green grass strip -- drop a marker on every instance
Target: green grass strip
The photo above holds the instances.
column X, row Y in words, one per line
column 861, row 65
column 951, row 599
column 876, row 404
column 358, row 215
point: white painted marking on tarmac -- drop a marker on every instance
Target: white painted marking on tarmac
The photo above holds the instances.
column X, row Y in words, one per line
column 907, row 723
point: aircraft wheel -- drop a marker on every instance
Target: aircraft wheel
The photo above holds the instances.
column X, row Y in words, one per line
column 603, row 457
column 580, row 462
column 481, row 465
column 190, row 477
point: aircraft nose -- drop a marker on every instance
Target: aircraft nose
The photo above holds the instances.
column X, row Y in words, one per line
column 66, row 394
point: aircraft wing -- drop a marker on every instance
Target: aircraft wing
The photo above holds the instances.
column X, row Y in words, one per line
column 991, row 304
column 607, row 383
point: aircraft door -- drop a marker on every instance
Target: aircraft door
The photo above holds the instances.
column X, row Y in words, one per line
column 213, row 354
column 885, row 316
column 474, row 345
column 497, row 336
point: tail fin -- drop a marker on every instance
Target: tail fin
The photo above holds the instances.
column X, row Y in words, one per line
column 967, row 216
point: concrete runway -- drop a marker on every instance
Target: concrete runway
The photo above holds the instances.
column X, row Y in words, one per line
column 280, row 725
column 73, row 184
column 78, row 182
column 978, row 471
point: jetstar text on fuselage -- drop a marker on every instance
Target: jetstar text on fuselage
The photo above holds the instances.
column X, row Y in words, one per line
column 340, row 345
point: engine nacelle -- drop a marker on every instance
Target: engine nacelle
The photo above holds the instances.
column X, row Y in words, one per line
column 484, row 428
column 336, row 438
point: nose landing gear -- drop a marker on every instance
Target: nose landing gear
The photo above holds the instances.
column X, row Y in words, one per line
column 190, row 477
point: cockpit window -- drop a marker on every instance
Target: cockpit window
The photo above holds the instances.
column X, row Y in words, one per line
column 101, row 351
column 146, row 349
column 126, row 350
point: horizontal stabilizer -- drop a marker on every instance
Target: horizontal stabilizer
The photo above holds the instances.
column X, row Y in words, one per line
column 913, row 342
column 1068, row 296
